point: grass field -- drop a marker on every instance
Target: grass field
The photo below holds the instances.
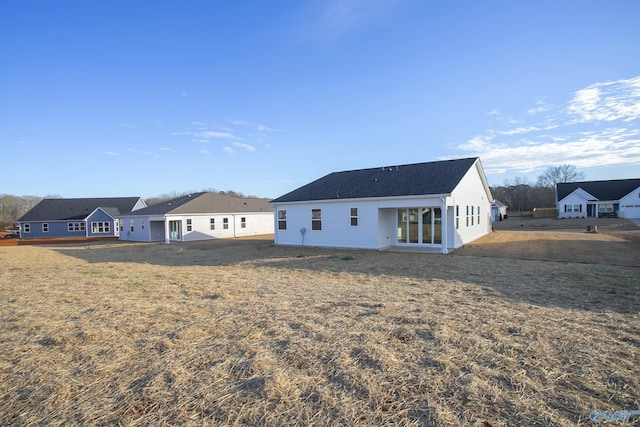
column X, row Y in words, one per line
column 114, row 333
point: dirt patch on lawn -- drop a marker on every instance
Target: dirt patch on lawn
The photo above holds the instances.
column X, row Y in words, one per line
column 616, row 242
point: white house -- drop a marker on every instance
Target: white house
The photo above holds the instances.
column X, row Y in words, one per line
column 614, row 198
column 441, row 205
column 198, row 216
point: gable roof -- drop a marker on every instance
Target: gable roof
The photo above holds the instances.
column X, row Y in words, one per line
column 77, row 209
column 614, row 189
column 439, row 177
column 205, row 202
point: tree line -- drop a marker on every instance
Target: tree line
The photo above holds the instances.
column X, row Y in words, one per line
column 521, row 195
column 518, row 194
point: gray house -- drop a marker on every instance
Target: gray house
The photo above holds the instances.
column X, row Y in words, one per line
column 90, row 217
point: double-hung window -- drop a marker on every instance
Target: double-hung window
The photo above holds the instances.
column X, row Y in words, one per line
column 354, row 217
column 282, row 219
column 316, row 219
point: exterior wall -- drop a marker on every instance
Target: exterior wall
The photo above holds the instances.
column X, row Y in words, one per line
column 100, row 216
column 630, row 205
column 255, row 224
column 56, row 229
column 387, row 228
column 336, row 231
column 572, row 200
column 470, row 216
column 137, row 228
column 152, row 229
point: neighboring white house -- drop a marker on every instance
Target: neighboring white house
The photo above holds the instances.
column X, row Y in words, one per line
column 198, row 216
column 614, row 198
column 441, row 205
column 498, row 211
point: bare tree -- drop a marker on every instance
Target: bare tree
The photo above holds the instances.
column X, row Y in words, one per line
column 556, row 174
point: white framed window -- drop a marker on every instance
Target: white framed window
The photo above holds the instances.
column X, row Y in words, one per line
column 243, row 222
column 75, row 226
column 457, row 217
column 131, row 227
column 189, row 227
column 45, row 228
column 142, row 224
column 100, row 227
column 354, row 217
column 26, row 228
column 225, row 223
column 212, row 223
column 316, row 219
column 282, row 219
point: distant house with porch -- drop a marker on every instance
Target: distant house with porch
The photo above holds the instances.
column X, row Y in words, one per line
column 612, row 198
column 440, row 205
column 198, row 216
column 79, row 217
column 498, row 211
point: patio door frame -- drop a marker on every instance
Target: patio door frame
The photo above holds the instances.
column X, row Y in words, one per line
column 405, row 215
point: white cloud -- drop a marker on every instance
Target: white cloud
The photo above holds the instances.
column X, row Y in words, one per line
column 494, row 112
column 527, row 145
column 519, row 130
column 609, row 101
column 207, row 135
column 244, row 146
column 204, row 152
column 263, row 128
column 110, row 153
column 228, row 150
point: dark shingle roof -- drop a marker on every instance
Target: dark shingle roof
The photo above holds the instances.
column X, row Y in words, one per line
column 77, row 209
column 206, row 202
column 403, row 180
column 614, row 189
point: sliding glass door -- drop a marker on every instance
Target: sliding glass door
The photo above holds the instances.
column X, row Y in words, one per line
column 420, row 226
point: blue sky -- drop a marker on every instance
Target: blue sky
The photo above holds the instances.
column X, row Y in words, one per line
column 119, row 98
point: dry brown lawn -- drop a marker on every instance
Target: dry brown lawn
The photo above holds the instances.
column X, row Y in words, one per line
column 244, row 333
